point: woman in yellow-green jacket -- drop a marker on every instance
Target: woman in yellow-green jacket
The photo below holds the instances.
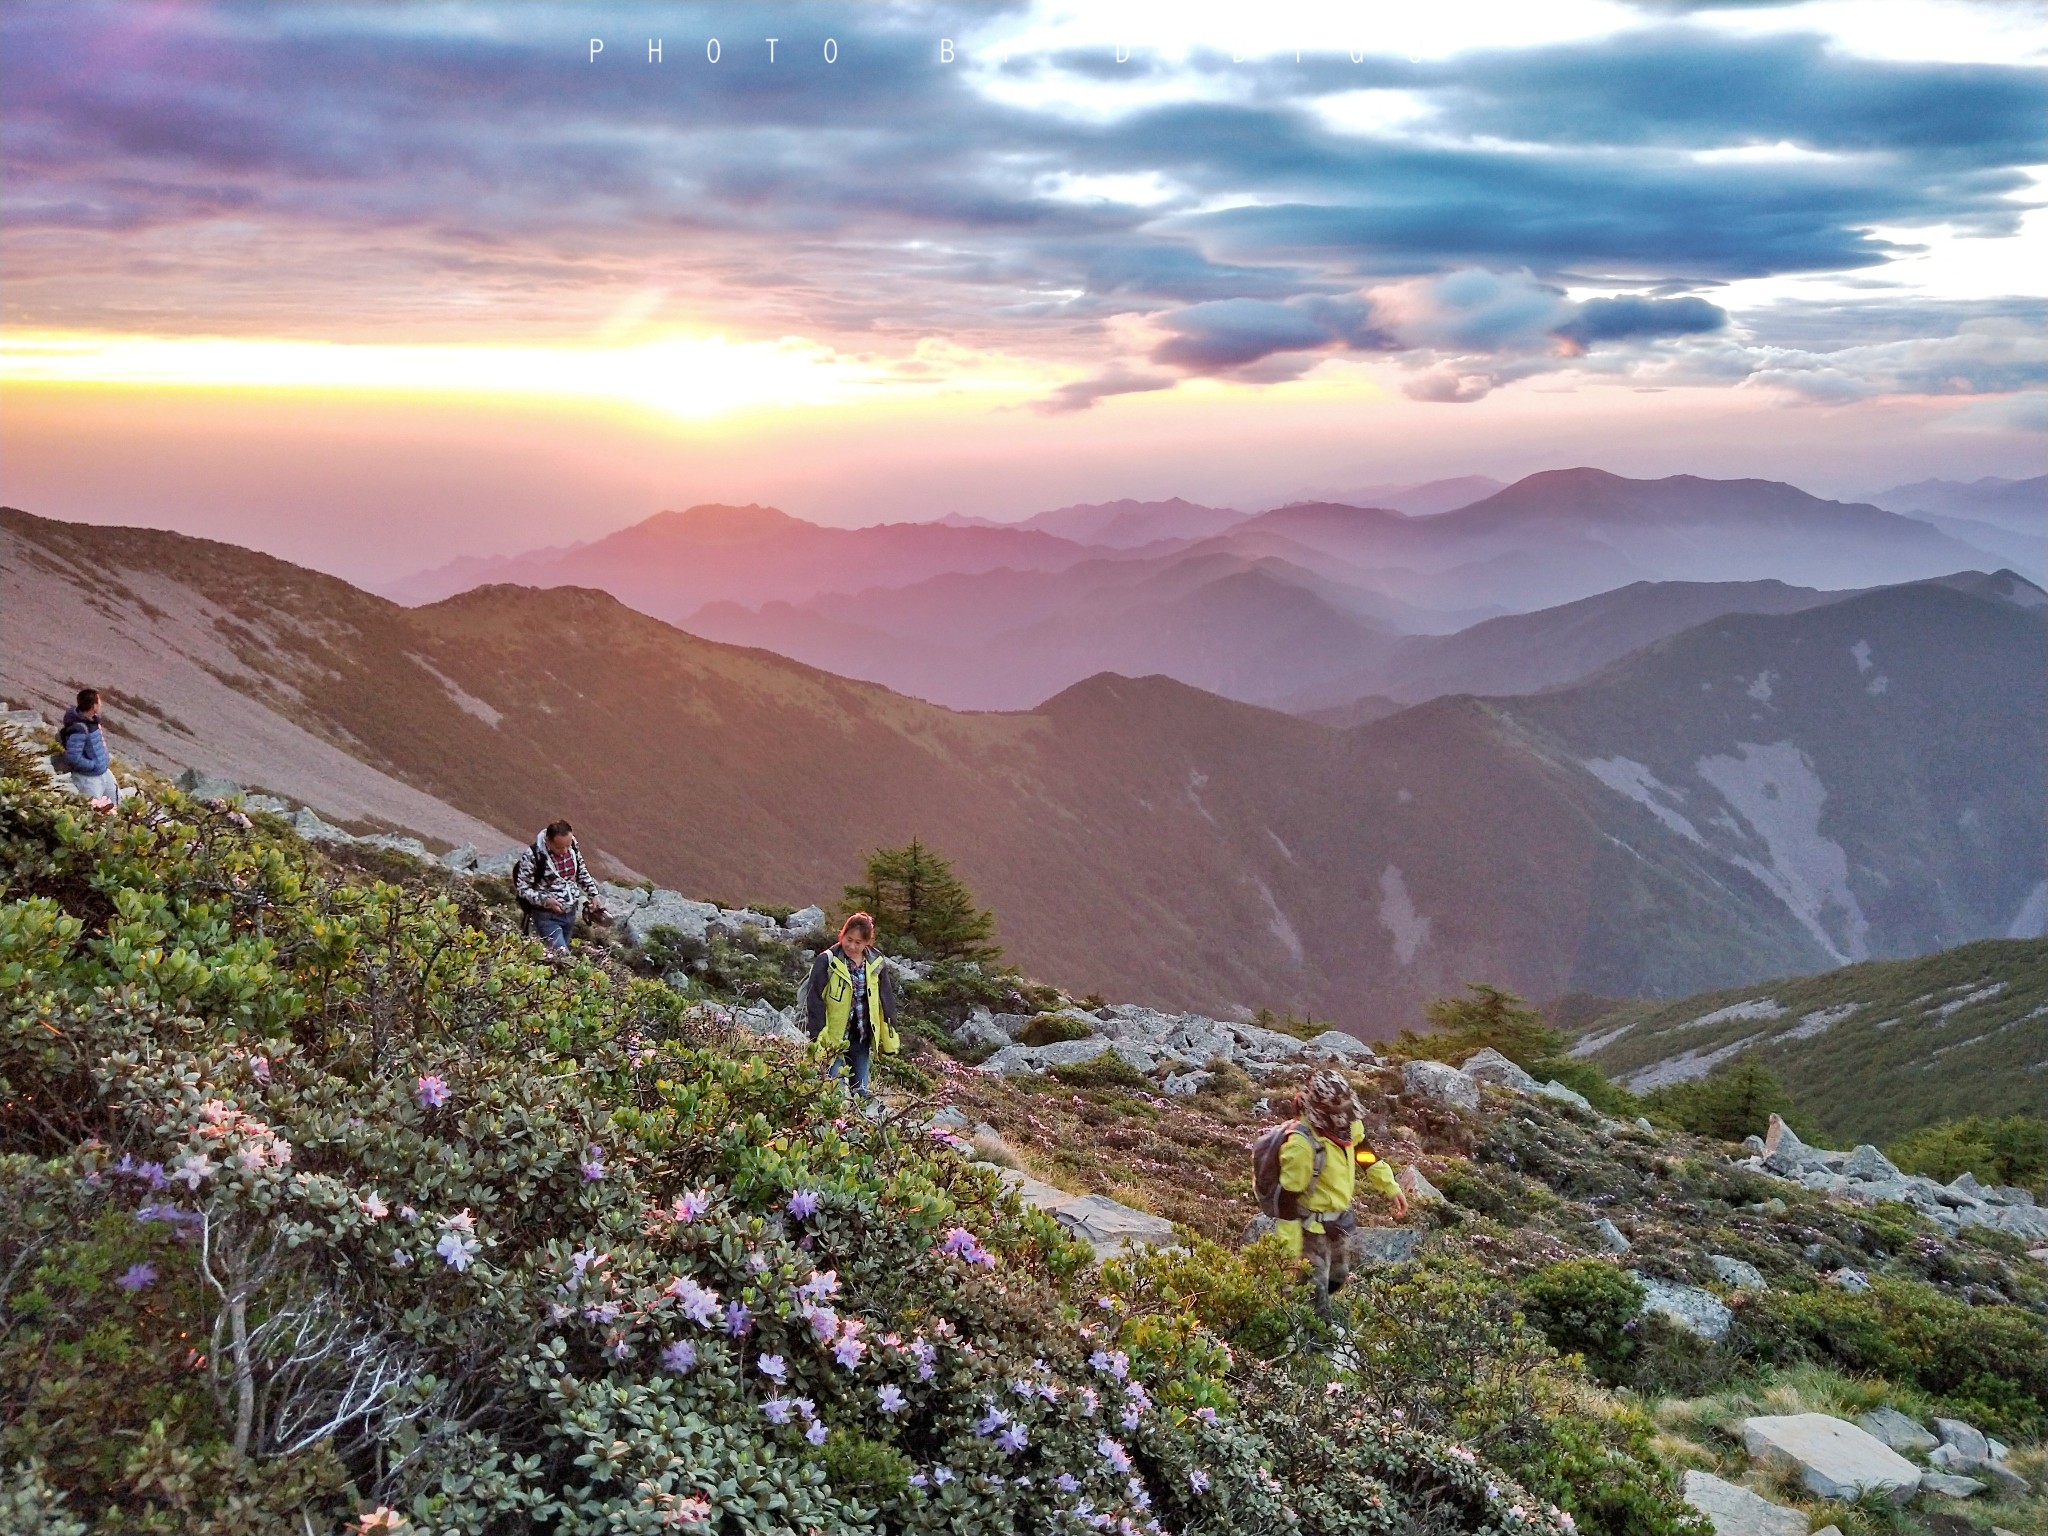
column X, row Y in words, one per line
column 851, row 1009
column 1315, row 1203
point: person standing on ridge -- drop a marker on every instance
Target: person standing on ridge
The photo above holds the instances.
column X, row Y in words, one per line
column 82, row 750
column 1320, row 1155
column 554, row 887
column 850, row 1002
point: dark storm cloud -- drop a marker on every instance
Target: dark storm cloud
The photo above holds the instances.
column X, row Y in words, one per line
column 1627, row 319
column 373, row 155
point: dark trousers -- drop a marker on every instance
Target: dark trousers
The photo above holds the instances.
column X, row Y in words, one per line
column 1329, row 1262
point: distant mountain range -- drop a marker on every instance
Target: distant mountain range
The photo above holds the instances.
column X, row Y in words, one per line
column 2020, row 506
column 1761, row 794
column 1314, row 604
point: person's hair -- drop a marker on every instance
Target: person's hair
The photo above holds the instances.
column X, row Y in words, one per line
column 859, row 923
column 87, row 697
column 558, row 829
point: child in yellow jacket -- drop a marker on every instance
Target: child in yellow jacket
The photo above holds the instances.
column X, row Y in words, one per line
column 1315, row 1207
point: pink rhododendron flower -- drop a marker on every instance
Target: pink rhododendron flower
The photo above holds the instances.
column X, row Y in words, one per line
column 821, row 1285
column 194, row 1168
column 373, row 1206
column 259, row 1068
column 431, row 1090
column 1206, row 1415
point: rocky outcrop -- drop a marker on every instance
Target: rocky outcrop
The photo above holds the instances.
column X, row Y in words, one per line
column 1490, row 1066
column 1831, row 1457
column 1152, row 1042
column 1905, row 1435
column 1867, row 1176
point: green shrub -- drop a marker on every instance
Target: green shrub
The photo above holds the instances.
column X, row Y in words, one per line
column 1586, row 1307
column 1590, row 1083
column 1105, row 1070
column 1988, row 1364
column 1735, row 1100
column 2009, row 1151
column 1052, row 1028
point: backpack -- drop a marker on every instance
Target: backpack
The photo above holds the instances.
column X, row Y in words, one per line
column 1281, row 1204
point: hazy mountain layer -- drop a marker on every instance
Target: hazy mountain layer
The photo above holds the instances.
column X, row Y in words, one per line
column 1754, row 797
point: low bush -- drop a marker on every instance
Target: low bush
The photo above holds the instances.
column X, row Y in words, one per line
column 1587, row 1307
column 1988, row 1364
column 2009, row 1151
column 1735, row 1100
column 1052, row 1028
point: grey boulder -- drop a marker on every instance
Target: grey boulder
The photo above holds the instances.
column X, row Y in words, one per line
column 208, row 786
column 1831, row 1457
column 979, row 1030
column 1950, row 1485
column 1966, row 1440
column 1905, row 1435
column 1696, row 1311
column 1180, row 1084
column 1558, row 1091
column 1609, row 1236
column 1869, row 1166
column 1736, row 1273
column 666, row 909
column 1490, row 1066
column 1734, row 1511
column 805, row 923
column 1439, row 1084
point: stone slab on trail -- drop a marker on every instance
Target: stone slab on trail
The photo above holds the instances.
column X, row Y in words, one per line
column 1735, row 1511
column 1831, row 1456
column 1104, row 1224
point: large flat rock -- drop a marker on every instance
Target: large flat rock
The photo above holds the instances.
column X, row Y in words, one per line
column 1831, row 1456
column 1735, row 1511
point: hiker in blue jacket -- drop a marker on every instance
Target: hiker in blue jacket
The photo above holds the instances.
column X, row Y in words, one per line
column 82, row 749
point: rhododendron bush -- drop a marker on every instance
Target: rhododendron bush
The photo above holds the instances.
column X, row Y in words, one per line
column 324, row 1205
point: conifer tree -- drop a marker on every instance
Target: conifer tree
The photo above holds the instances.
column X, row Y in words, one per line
column 1487, row 1016
column 921, row 907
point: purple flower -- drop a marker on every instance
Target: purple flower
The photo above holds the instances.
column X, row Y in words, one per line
column 803, row 1205
column 821, row 1285
column 777, row 1409
column 991, row 1421
column 136, row 1277
column 1118, row 1364
column 592, row 1166
column 890, row 1400
column 1206, row 1415
column 816, row 1433
column 259, row 1068
column 918, row 1480
column 739, row 1318
column 807, row 1408
column 1130, row 1418
column 680, row 1358
column 1011, row 1440
column 848, row 1351
column 942, row 1474
column 1110, row 1451
column 699, row 1303
column 457, row 1249
column 690, row 1207
column 1067, row 1483
column 1198, row 1480
column 963, row 1244
column 431, row 1090
column 772, row 1367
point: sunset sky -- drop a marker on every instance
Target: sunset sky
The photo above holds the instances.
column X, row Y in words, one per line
column 372, row 286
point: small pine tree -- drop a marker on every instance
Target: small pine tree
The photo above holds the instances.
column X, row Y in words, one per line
column 1487, row 1016
column 922, row 908
column 1734, row 1101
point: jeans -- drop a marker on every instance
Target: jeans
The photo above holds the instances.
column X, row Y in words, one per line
column 94, row 785
column 554, row 928
column 859, row 1056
